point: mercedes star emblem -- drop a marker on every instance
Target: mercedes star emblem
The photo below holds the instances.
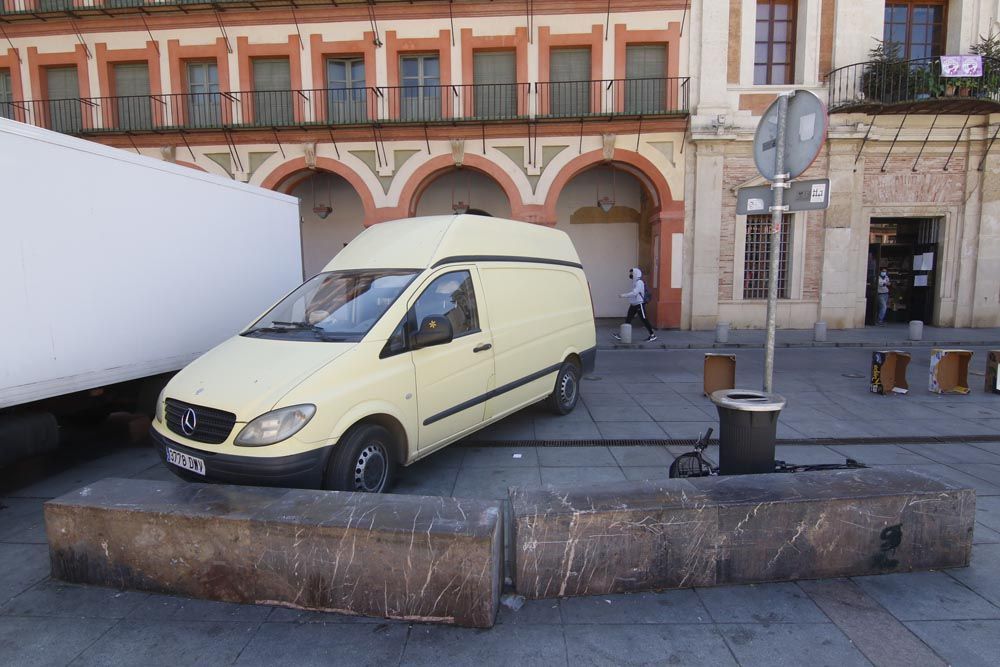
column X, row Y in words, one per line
column 190, row 422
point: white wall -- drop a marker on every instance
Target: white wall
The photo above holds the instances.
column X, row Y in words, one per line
column 607, row 251
column 466, row 185
column 322, row 239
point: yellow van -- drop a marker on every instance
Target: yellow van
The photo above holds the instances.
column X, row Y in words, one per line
column 419, row 333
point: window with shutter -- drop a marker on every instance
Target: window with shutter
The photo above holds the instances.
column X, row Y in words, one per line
column 132, row 100
column 421, row 91
column 346, row 92
column 6, row 95
column 204, row 101
column 570, row 86
column 494, row 74
column 645, row 79
column 774, row 45
column 63, row 88
column 272, row 84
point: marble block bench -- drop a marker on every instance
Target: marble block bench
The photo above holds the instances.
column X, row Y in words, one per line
column 638, row 536
column 406, row 557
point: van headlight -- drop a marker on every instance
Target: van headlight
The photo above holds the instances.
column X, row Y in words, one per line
column 160, row 400
column 275, row 426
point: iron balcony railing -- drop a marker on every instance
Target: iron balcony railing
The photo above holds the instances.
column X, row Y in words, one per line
column 912, row 86
column 616, row 97
column 355, row 106
column 40, row 7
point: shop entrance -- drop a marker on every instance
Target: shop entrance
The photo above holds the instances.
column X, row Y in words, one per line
column 908, row 249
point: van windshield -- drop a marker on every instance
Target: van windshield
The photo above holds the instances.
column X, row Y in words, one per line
column 337, row 306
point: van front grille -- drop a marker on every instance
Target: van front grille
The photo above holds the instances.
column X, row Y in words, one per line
column 211, row 426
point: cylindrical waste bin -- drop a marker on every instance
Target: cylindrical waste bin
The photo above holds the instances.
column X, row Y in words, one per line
column 748, row 423
column 916, row 329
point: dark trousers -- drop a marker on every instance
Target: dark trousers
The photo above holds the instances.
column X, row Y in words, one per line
column 640, row 310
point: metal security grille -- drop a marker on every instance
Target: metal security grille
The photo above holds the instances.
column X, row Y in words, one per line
column 757, row 260
column 211, row 426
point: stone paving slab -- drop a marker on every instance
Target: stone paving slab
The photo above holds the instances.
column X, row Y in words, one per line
column 696, row 645
column 875, row 632
column 923, row 596
column 791, row 645
column 965, row 643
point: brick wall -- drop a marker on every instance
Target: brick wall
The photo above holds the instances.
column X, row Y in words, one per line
column 930, row 184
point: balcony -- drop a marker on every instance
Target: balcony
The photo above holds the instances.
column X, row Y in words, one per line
column 41, row 10
column 399, row 105
column 912, row 87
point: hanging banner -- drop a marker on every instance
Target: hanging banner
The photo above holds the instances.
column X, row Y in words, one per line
column 961, row 66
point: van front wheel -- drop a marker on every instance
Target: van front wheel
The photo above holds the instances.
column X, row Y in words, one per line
column 362, row 461
column 567, row 390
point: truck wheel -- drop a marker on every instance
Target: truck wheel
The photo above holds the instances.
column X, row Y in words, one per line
column 362, row 461
column 567, row 390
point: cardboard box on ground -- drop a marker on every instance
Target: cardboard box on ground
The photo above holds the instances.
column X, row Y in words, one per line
column 720, row 372
column 889, row 372
column 949, row 371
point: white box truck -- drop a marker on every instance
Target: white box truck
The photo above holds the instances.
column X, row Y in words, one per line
column 116, row 266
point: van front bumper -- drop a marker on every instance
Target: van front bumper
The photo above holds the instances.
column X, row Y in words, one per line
column 299, row 471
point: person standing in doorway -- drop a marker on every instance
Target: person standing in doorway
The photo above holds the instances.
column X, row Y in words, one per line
column 883, row 295
column 637, row 300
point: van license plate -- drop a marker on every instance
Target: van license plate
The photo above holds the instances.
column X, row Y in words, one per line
column 182, row 460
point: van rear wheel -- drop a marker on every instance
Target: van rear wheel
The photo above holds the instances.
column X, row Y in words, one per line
column 362, row 461
column 567, row 390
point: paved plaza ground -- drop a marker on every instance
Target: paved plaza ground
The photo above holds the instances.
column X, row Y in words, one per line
column 927, row 618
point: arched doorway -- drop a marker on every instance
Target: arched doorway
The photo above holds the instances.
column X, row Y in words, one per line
column 463, row 188
column 332, row 214
column 606, row 211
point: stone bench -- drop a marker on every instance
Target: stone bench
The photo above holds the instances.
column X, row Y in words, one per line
column 404, row 557
column 637, row 536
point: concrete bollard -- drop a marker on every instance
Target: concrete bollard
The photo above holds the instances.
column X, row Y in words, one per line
column 819, row 332
column 625, row 332
column 916, row 330
column 722, row 332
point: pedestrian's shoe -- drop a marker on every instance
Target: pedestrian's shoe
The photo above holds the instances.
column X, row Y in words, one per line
column 651, row 338
column 615, row 336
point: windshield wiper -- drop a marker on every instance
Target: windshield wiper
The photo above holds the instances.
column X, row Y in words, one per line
column 297, row 325
column 320, row 332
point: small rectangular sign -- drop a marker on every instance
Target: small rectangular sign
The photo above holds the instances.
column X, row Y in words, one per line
column 961, row 66
column 811, row 195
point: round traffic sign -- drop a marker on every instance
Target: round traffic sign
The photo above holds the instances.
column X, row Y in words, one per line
column 806, row 124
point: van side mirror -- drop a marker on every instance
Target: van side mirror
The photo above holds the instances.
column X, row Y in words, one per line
column 433, row 330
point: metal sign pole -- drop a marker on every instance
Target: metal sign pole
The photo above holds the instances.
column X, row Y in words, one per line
column 777, row 211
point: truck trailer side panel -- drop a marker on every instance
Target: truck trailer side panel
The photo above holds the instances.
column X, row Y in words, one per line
column 115, row 266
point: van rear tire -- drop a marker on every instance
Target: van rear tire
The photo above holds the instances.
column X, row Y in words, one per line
column 362, row 461
column 567, row 390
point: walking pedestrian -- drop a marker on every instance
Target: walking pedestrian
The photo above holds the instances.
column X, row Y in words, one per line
column 637, row 299
column 883, row 295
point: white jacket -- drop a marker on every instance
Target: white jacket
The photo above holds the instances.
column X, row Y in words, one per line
column 635, row 297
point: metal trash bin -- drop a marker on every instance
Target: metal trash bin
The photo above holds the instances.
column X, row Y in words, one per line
column 748, row 423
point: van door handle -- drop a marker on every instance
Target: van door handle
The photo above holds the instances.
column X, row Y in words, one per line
column 483, row 347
